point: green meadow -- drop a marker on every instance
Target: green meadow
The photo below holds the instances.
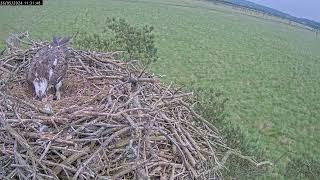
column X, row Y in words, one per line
column 268, row 71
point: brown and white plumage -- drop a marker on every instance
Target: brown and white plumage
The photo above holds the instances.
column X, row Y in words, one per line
column 49, row 67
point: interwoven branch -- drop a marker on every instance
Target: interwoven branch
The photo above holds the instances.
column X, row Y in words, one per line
column 113, row 121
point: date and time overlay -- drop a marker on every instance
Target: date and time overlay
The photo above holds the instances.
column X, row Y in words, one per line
column 21, row 2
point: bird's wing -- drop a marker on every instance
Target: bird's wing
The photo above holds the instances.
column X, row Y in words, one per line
column 39, row 65
column 59, row 63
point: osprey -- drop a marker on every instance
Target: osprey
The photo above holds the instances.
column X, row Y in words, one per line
column 48, row 67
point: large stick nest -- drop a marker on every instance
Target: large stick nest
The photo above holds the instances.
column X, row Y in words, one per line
column 113, row 122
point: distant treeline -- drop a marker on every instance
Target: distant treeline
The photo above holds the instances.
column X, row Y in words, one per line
column 269, row 11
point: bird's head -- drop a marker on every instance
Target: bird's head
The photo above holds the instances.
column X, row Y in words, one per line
column 40, row 86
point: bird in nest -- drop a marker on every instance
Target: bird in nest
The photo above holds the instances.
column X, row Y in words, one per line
column 48, row 68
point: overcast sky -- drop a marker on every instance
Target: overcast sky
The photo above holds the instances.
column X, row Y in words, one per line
column 309, row 9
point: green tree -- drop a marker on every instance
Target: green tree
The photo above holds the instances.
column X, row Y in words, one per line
column 137, row 43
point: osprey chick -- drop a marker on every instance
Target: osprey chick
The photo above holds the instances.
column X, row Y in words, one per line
column 48, row 67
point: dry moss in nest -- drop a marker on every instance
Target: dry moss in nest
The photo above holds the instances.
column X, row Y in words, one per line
column 112, row 122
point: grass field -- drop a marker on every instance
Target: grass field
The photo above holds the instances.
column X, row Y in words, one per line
column 269, row 71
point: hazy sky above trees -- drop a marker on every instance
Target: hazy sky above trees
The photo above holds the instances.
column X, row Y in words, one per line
column 309, row 9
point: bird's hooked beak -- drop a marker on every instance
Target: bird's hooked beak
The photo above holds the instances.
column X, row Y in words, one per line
column 41, row 98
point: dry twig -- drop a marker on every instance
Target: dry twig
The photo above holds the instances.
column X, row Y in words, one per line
column 113, row 121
